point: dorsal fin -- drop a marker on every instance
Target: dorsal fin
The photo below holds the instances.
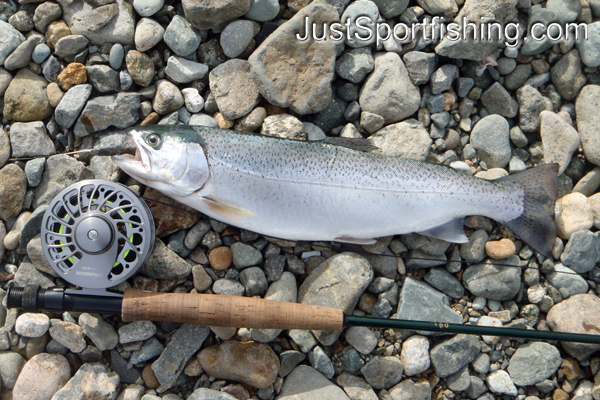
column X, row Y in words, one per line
column 365, row 145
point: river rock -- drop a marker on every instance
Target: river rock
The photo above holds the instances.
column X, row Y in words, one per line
column 533, row 362
column 184, row 71
column 120, row 110
column 560, row 140
column 26, row 98
column 588, row 119
column 252, row 363
column 452, row 355
column 236, row 37
column 13, row 186
column 42, row 376
column 567, row 281
column 11, row 39
column 92, row 381
column 141, row 67
column 148, row 33
column 208, row 15
column 531, row 104
column 491, row 138
column 567, row 75
column 407, row 139
column 408, row 389
column 100, row 332
column 352, row 275
column 32, row 325
column 415, row 355
column 181, row 37
column 234, row 90
column 577, row 314
column 303, row 85
column 573, row 213
column 499, row 382
column 11, row 364
column 71, row 104
column 382, row 372
column 68, row 334
column 492, row 281
column 30, row 139
column 164, row 263
column 306, row 383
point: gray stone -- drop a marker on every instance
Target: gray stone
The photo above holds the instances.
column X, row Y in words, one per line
column 186, row 341
column 228, row 287
column 104, row 78
column 415, row 355
column 464, row 86
column 533, row 362
column 71, row 45
column 32, row 228
column 445, row 282
column 164, row 263
column 150, row 349
column 356, row 387
column 394, row 101
column 420, row 66
column 235, row 92
column 506, row 65
column 263, row 10
column 353, row 274
column 11, row 364
column 588, row 119
column 518, row 77
column 26, row 98
column 567, row 75
column 588, row 184
column 148, row 33
column 30, row 139
column 589, row 49
column 40, row 53
column 32, row 325
column 120, row 110
column 21, row 56
column 304, row 86
column 5, row 78
column 460, row 381
column 355, row 10
column 452, row 355
column 355, row 64
column 100, row 332
column 203, row 120
column 90, row 381
column 582, row 252
column 407, row 139
column 236, row 37
column 560, row 140
column 491, row 138
column 498, row 101
column 499, row 382
column 288, row 361
column 110, row 23
column 474, row 249
column 361, row 338
column 567, row 281
column 147, row 8
column 27, row 274
column 11, row 39
column 332, row 116
column 71, row 104
column 44, row 14
column 477, row 388
column 184, row 71
column 34, row 170
column 420, row 302
column 181, row 37
column 116, row 55
column 202, row 394
column 442, row 79
column 168, row 98
column 320, row 362
column 68, row 334
column 254, row 281
column 481, row 364
column 494, row 281
column 407, row 389
column 532, row 46
column 564, row 10
column 136, row 331
column 383, row 372
column 391, row 8
column 306, row 383
column 205, row 16
column 51, row 68
column 484, row 13
column 104, row 168
column 245, row 255
column 119, row 365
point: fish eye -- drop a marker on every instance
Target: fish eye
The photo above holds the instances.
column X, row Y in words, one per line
column 153, row 140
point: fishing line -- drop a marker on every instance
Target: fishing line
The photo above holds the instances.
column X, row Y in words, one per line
column 407, row 258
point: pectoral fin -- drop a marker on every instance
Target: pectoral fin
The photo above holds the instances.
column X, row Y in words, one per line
column 224, row 209
column 451, row 231
column 351, row 240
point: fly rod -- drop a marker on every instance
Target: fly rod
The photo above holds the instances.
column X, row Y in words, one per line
column 96, row 234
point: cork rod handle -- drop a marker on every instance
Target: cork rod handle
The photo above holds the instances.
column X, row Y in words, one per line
column 235, row 311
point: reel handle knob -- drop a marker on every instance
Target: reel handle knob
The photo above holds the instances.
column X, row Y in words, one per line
column 233, row 311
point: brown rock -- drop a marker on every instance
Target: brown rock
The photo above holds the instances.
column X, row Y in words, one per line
column 577, row 314
column 223, row 122
column 367, row 302
column 570, row 368
column 41, row 377
column 169, row 219
column 55, row 95
column 26, row 99
column 140, row 67
column 499, row 249
column 74, row 74
column 253, row 363
column 13, row 186
column 149, row 377
column 560, row 394
column 237, row 391
column 220, row 258
column 151, row 119
column 56, row 31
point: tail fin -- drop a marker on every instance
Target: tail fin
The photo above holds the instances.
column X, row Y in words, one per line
column 536, row 225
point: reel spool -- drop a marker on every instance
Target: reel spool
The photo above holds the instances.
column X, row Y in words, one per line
column 96, row 234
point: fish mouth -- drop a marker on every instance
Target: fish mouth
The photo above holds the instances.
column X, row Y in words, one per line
column 134, row 162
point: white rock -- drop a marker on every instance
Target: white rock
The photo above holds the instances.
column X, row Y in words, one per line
column 499, row 382
column 536, row 293
column 361, row 338
column 489, row 321
column 184, row 71
column 408, row 139
column 148, row 33
column 479, row 303
column 415, row 355
column 594, row 201
column 193, row 101
column 559, row 139
column 573, row 213
column 32, row 325
column 146, row 8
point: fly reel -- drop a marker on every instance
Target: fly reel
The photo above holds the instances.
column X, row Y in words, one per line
column 96, row 234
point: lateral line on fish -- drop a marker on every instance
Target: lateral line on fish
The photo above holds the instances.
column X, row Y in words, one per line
column 368, row 188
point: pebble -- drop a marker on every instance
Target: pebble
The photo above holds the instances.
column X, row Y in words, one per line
column 353, row 274
column 420, row 66
column 232, row 85
column 68, row 334
column 120, row 110
column 148, row 33
column 500, row 249
column 498, row 101
column 533, row 363
column 74, row 74
column 355, row 64
column 451, row 356
column 567, row 75
column 168, row 98
column 531, row 104
column 560, row 140
column 140, row 67
column 184, row 343
column 70, row 45
column 285, row 126
column 589, row 49
column 494, row 281
column 383, row 372
column 44, row 14
column 136, row 331
column 573, row 213
column 407, row 389
column 30, row 139
column 490, row 137
column 308, row 88
column 361, row 338
column 407, row 139
column 40, row 53
column 116, row 55
column 320, row 362
column 228, row 287
column 567, row 281
column 26, row 98
column 236, row 37
column 181, row 70
column 102, row 334
column 90, row 381
column 420, row 302
column 13, row 186
column 71, row 105
column 499, row 382
column 34, row 170
column 32, row 325
column 181, row 36
column 206, row 394
column 445, row 282
column 263, row 10
column 42, row 376
column 254, row 281
column 12, row 38
column 582, row 251
column 256, row 364
column 147, row 8
column 442, row 78
column 244, row 255
column 415, row 355
column 194, row 103
column 306, row 383
column 356, row 387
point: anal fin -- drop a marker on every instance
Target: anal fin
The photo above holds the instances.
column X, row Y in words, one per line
column 223, row 209
column 451, row 231
column 351, row 240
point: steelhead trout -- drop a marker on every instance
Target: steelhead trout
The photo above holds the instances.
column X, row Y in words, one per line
column 335, row 189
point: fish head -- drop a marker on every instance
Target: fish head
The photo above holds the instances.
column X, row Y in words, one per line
column 172, row 159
